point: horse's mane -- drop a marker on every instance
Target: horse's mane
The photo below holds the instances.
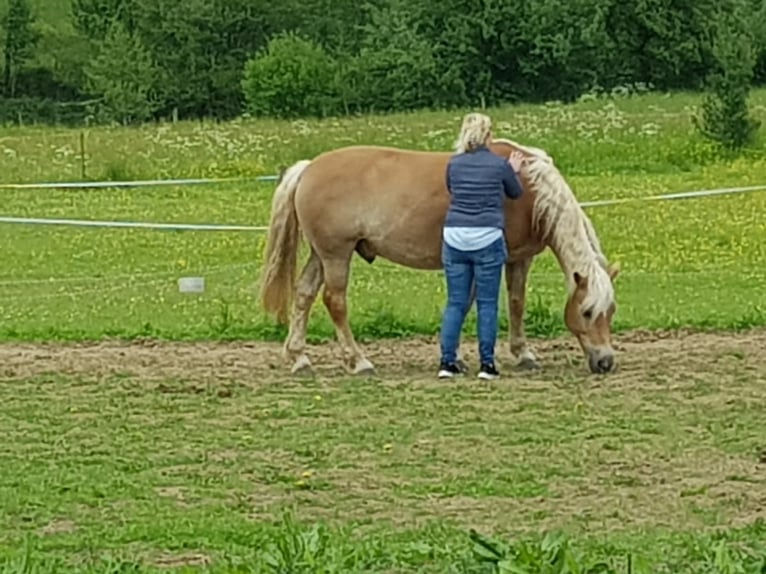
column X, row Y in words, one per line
column 560, row 220
column 529, row 150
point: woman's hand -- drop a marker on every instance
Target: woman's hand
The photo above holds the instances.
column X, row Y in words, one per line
column 516, row 159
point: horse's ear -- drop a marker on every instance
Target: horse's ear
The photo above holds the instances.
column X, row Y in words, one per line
column 614, row 271
column 579, row 279
column 282, row 170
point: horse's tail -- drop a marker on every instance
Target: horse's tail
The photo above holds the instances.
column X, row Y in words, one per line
column 278, row 277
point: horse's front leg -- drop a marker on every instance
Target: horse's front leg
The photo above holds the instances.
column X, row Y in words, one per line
column 516, row 273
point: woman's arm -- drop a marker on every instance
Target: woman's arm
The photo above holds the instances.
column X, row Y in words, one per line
column 511, row 183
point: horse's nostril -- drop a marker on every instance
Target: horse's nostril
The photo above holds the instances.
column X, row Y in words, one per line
column 605, row 364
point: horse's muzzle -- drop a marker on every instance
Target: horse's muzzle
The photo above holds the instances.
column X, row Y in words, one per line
column 600, row 363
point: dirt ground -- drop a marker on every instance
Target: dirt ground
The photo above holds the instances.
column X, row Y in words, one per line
column 639, row 354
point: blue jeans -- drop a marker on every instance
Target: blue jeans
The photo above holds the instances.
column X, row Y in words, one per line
column 461, row 268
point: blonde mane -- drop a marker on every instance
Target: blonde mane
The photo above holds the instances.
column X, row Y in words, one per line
column 529, row 150
column 544, row 156
column 561, row 222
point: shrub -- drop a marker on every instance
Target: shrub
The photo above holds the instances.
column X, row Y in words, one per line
column 292, row 77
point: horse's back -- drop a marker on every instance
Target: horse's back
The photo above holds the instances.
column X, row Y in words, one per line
column 391, row 200
column 365, row 174
column 364, row 160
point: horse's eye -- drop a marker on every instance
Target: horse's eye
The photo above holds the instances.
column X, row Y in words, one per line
column 588, row 314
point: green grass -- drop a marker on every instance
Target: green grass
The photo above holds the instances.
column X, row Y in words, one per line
column 677, row 257
column 141, row 459
column 140, row 468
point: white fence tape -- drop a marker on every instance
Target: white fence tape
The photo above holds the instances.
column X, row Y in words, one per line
column 672, row 196
column 131, row 224
column 139, row 183
column 261, row 228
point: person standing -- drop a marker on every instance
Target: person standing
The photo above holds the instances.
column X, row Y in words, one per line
column 473, row 246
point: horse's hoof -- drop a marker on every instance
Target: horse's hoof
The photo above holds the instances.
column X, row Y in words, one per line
column 364, row 368
column 528, row 364
column 462, row 366
column 302, row 367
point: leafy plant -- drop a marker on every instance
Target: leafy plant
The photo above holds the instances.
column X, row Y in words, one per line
column 551, row 555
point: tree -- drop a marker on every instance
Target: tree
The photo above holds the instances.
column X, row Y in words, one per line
column 725, row 117
column 396, row 68
column 20, row 41
column 123, row 74
column 94, row 17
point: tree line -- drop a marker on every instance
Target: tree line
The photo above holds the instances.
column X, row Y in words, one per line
column 137, row 60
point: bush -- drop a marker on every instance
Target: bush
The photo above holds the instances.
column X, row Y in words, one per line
column 292, row 77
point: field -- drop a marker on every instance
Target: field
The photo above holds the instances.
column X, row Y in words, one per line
column 150, row 429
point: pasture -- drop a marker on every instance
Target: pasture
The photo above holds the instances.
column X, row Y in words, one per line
column 148, row 429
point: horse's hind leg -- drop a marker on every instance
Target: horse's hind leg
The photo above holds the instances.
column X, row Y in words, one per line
column 516, row 281
column 336, row 274
column 305, row 293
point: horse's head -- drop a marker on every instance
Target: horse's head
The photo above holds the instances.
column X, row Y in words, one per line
column 588, row 315
column 563, row 226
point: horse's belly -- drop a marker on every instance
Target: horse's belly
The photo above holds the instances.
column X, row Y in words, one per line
column 415, row 255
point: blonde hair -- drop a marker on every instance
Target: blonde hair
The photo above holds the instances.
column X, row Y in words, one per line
column 475, row 132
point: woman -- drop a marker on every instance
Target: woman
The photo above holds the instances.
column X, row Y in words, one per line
column 473, row 247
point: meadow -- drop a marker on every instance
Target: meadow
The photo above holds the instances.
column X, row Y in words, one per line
column 74, row 283
column 190, row 447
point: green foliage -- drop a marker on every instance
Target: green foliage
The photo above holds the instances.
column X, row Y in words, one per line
column 94, row 18
column 760, row 40
column 57, row 70
column 553, row 553
column 661, row 43
column 396, row 56
column 726, row 118
column 20, row 40
column 291, row 77
column 124, row 76
column 396, row 68
column 567, row 42
column 200, row 48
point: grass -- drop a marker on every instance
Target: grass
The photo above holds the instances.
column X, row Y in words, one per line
column 112, row 464
column 205, row 458
column 73, row 283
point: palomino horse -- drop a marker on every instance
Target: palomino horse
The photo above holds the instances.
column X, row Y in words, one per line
column 388, row 202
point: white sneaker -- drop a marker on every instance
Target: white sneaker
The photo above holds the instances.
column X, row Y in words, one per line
column 488, row 372
column 447, row 371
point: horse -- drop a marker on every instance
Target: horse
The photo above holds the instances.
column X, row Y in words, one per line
column 388, row 202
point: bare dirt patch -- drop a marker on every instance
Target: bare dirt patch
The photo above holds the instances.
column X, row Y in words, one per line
column 59, row 527
column 671, row 355
column 172, row 561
